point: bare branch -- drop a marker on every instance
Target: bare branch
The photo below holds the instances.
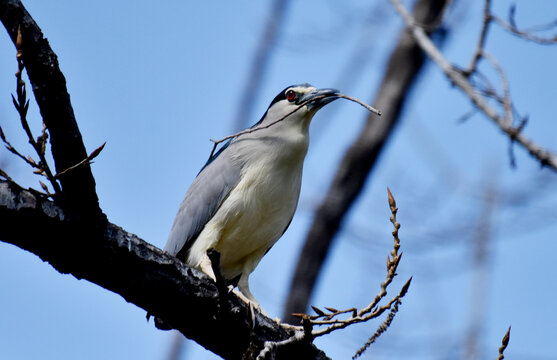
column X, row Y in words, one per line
column 22, row 105
column 459, row 79
column 141, row 273
column 300, row 336
column 504, row 100
column 6, row 176
column 86, row 161
column 49, row 87
column 371, row 311
column 14, row 151
column 481, row 42
column 337, row 324
column 526, row 34
column 405, row 63
column 382, row 328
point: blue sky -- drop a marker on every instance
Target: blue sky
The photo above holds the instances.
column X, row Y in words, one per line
column 156, row 82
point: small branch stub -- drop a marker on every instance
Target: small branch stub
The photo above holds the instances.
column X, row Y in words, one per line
column 504, row 344
column 86, row 161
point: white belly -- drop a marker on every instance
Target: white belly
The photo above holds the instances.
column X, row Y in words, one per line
column 253, row 217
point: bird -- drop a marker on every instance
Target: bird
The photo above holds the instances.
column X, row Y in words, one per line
column 244, row 198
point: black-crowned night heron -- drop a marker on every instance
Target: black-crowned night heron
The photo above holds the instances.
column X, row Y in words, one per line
column 245, row 196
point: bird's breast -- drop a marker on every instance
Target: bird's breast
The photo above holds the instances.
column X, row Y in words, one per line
column 258, row 210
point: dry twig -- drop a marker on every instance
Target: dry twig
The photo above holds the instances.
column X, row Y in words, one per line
column 380, row 330
column 39, row 145
column 6, row 176
column 528, row 34
column 504, row 344
column 260, row 127
column 22, row 106
column 86, row 161
column 462, row 79
column 481, row 42
column 301, row 334
column 330, row 316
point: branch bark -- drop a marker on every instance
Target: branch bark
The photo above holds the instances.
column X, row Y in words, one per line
column 404, row 65
column 142, row 274
column 73, row 235
column 49, row 87
column 545, row 157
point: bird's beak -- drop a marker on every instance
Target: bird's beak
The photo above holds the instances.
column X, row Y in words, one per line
column 318, row 98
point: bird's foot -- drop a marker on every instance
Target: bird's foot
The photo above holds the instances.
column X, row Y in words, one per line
column 251, row 302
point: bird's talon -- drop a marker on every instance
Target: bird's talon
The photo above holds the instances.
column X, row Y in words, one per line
column 252, row 315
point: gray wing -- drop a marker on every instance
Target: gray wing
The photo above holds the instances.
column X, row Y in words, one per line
column 205, row 195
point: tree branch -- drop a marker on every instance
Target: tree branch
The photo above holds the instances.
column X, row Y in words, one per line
column 142, row 274
column 49, row 87
column 459, row 79
column 73, row 235
column 404, row 65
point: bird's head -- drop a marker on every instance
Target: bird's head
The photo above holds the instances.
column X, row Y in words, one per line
column 298, row 103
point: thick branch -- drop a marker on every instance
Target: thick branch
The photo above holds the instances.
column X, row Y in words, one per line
column 404, row 65
column 49, row 87
column 142, row 274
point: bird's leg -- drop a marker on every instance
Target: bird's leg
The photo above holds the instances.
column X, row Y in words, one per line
column 245, row 294
column 206, row 265
column 243, row 287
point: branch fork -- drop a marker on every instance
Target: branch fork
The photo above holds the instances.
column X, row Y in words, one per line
column 330, row 317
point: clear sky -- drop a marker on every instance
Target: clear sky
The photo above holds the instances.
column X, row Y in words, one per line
column 156, row 81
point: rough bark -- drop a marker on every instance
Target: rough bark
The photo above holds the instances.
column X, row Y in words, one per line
column 404, row 65
column 142, row 274
column 73, row 235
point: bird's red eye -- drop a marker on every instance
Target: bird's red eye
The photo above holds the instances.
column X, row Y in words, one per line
column 290, row 95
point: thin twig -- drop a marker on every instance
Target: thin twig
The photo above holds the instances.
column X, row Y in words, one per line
column 22, row 105
column 372, row 310
column 260, row 127
column 523, row 34
column 504, row 344
column 5, row 176
column 546, row 158
column 341, row 324
column 380, row 330
column 29, row 160
column 505, row 100
column 271, row 346
column 301, row 334
column 369, row 108
column 543, row 27
column 86, row 161
column 481, row 42
column 391, row 264
column 466, row 116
